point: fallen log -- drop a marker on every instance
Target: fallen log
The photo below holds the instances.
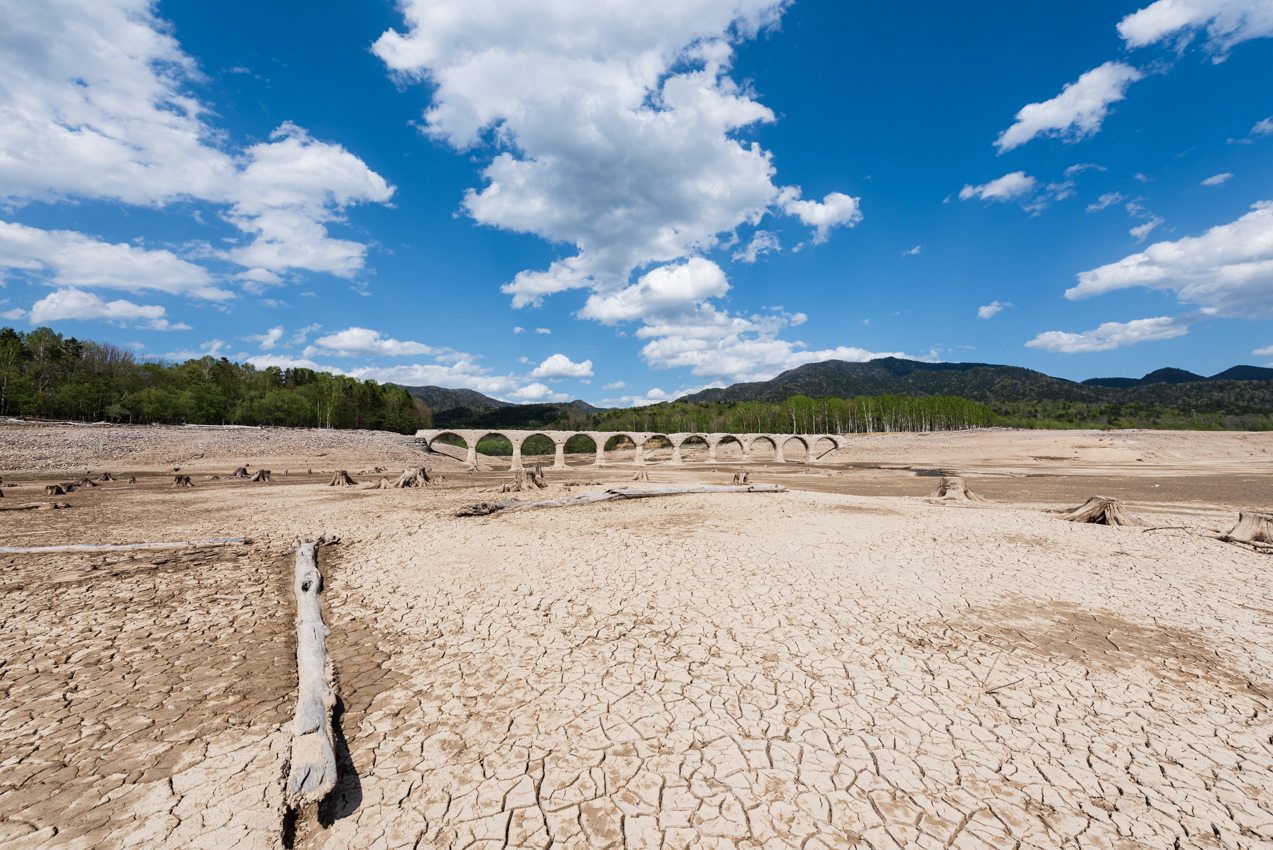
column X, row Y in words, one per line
column 127, row 547
column 511, row 505
column 953, row 489
column 1102, row 510
column 312, row 774
column 342, row 479
column 35, row 506
column 261, row 475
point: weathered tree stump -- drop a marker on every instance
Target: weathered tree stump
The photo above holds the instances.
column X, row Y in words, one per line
column 182, row 481
column 260, row 475
column 1255, row 527
column 105, row 476
column 241, row 472
column 132, row 479
column 85, row 482
column 342, row 479
column 953, row 489
column 741, row 478
column 641, row 475
column 415, row 477
column 55, row 490
column 525, row 479
column 1102, row 510
column 384, row 484
column 214, row 477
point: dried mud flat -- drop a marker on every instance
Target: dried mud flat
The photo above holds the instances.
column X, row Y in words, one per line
column 841, row 665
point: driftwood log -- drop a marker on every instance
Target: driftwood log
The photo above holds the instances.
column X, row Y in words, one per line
column 525, row 480
column 741, row 478
column 417, row 476
column 641, row 475
column 1102, row 510
column 34, row 506
column 128, row 547
column 342, row 479
column 511, row 505
column 182, row 481
column 260, row 475
column 312, row 774
column 954, row 489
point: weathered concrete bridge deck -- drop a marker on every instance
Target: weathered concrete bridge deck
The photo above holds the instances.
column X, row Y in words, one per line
column 813, row 446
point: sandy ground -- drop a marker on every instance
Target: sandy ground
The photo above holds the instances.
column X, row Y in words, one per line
column 844, row 664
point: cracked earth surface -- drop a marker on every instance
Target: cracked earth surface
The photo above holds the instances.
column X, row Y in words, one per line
column 809, row 670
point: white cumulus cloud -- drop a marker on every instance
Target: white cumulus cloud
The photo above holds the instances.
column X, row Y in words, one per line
column 762, row 242
column 617, row 123
column 1216, row 179
column 1228, row 269
column 990, row 310
column 1227, row 23
column 1006, row 188
column 1077, row 112
column 665, row 290
column 95, row 104
column 67, row 258
column 86, row 306
column 532, row 393
column 1111, row 335
column 560, row 366
column 364, row 342
column 269, row 339
column 1106, row 200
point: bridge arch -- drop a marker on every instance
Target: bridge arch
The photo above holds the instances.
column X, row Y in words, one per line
column 785, row 441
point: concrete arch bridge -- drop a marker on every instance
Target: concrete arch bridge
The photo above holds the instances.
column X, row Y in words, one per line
column 812, row 446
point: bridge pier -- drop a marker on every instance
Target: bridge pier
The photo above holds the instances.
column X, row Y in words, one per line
column 559, row 460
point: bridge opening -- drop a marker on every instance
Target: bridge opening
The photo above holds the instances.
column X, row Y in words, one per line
column 729, row 448
column 495, row 445
column 622, row 446
column 694, row 450
column 823, row 448
column 581, row 444
column 764, row 450
column 537, row 445
column 795, row 449
column 657, row 449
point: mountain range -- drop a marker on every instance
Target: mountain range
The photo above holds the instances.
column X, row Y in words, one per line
column 1243, row 386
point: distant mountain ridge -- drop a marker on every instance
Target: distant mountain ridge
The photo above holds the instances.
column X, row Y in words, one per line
column 988, row 383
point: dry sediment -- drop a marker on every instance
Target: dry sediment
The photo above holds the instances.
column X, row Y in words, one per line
column 710, row 671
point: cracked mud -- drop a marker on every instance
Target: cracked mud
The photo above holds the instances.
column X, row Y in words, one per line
column 815, row 669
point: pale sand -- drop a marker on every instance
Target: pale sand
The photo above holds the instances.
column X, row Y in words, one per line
column 807, row 669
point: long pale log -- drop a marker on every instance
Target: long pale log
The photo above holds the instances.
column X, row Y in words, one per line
column 35, row 506
column 126, row 547
column 313, row 766
column 509, row 505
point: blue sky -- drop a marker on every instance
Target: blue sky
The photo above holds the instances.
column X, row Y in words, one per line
column 624, row 202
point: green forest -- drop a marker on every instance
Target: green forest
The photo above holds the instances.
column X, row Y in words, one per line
column 43, row 374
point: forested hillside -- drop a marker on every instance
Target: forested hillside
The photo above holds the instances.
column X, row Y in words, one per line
column 46, row 375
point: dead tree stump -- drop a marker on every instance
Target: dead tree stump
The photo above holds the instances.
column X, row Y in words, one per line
column 132, row 479
column 953, row 489
column 1253, row 527
column 525, row 479
column 260, row 475
column 182, row 481
column 415, row 477
column 641, row 475
column 241, row 472
column 85, row 482
column 106, row 476
column 741, row 478
column 1102, row 510
column 67, row 487
column 342, row 479
column 384, row 484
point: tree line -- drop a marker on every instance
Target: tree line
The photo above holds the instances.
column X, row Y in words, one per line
column 796, row 415
column 44, row 374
